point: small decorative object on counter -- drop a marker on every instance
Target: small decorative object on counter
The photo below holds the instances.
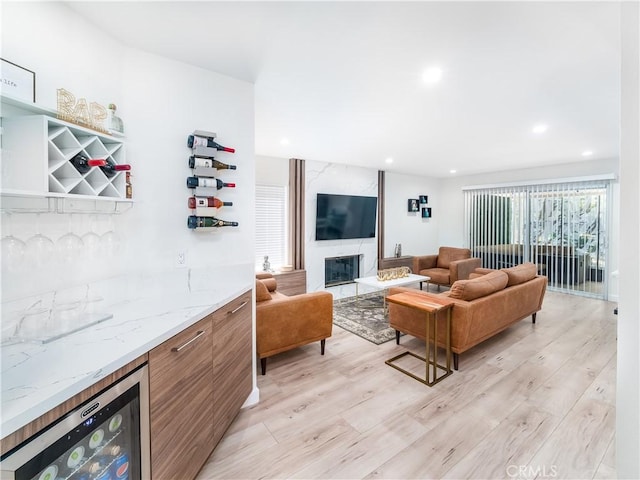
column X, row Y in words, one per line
column 208, row 162
column 266, row 266
column 114, row 122
column 128, row 188
column 398, row 250
column 193, row 182
column 195, row 202
column 203, row 222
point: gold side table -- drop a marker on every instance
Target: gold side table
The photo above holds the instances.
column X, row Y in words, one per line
column 430, row 306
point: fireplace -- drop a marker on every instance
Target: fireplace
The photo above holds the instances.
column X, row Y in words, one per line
column 341, row 270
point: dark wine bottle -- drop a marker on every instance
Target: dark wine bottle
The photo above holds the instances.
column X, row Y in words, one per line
column 193, row 182
column 209, row 162
column 199, row 222
column 83, row 163
column 111, row 168
column 195, row 202
column 195, row 141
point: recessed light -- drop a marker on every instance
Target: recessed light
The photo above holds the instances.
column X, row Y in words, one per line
column 587, row 153
column 432, row 75
column 452, row 171
column 389, row 160
column 284, row 141
column 540, row 128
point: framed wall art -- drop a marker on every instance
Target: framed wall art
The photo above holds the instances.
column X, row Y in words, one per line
column 412, row 205
column 17, row 81
column 424, row 199
column 426, row 212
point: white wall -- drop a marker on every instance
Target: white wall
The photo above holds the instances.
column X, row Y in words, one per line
column 161, row 101
column 628, row 368
column 321, row 177
column 417, row 235
column 272, row 171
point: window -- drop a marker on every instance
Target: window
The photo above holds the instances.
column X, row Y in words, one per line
column 271, row 225
column 561, row 227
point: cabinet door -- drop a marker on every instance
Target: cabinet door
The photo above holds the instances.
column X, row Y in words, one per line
column 180, row 391
column 232, row 364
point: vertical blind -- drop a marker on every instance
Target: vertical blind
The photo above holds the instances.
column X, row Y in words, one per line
column 561, row 227
column 271, row 225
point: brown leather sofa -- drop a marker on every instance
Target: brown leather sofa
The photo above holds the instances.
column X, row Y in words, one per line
column 448, row 266
column 483, row 306
column 286, row 322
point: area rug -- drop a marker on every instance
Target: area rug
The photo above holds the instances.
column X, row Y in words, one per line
column 364, row 317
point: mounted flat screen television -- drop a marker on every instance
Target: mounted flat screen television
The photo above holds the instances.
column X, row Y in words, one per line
column 345, row 216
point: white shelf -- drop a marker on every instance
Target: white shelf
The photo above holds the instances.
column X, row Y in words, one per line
column 37, row 152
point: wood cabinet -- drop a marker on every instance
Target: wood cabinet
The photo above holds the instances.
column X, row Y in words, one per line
column 198, row 381
column 393, row 262
column 292, row 283
column 232, row 362
column 181, row 410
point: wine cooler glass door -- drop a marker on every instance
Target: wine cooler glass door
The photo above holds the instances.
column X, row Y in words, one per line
column 104, row 439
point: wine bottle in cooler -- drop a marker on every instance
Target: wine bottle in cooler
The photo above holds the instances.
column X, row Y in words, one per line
column 193, row 182
column 111, row 168
column 83, row 163
column 209, row 162
column 200, row 222
column 196, row 141
column 196, row 202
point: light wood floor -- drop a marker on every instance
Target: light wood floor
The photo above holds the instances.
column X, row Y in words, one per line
column 533, row 402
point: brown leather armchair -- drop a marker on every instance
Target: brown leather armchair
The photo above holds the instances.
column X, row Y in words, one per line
column 449, row 265
column 287, row 322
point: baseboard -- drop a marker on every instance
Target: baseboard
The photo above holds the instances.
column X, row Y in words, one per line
column 253, row 398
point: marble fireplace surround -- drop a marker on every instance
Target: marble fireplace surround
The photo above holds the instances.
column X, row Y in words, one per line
column 323, row 177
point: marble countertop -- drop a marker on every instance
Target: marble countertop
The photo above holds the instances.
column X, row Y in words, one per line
column 147, row 310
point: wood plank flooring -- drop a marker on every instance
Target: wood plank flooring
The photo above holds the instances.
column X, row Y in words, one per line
column 536, row 401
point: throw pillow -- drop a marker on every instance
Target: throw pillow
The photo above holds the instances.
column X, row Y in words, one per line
column 479, row 287
column 262, row 292
column 520, row 273
column 270, row 284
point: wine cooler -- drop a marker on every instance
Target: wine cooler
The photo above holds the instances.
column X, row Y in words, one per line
column 106, row 438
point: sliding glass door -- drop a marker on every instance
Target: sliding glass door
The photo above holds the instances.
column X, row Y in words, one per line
column 561, row 227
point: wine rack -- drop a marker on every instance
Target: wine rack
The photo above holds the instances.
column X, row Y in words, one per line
column 207, row 174
column 37, row 151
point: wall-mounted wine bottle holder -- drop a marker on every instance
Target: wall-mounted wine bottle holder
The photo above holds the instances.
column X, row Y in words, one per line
column 200, row 214
column 37, row 151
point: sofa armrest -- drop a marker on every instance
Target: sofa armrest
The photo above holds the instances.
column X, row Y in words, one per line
column 461, row 269
column 423, row 262
column 293, row 320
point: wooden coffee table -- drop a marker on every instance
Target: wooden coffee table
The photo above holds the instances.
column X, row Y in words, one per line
column 430, row 306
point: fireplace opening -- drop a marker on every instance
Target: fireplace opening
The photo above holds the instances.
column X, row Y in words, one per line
column 341, row 270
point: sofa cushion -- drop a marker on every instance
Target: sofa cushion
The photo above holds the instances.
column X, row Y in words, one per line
column 446, row 255
column 270, row 283
column 262, row 292
column 479, row 287
column 520, row 273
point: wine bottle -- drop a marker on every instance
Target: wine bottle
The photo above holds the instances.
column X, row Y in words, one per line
column 193, row 182
column 195, row 202
column 209, row 162
column 83, row 163
column 111, row 168
column 199, row 222
column 195, row 141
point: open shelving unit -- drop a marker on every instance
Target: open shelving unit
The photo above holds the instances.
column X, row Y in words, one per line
column 37, row 152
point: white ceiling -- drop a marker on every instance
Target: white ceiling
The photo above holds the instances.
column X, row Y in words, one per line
column 343, row 81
